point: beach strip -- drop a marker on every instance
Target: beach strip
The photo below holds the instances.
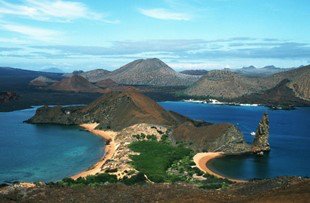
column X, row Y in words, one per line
column 201, row 160
column 109, row 149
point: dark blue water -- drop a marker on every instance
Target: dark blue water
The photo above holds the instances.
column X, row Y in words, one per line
column 289, row 139
column 43, row 152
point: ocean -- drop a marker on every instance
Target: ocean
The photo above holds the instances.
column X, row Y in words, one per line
column 43, row 152
column 289, row 139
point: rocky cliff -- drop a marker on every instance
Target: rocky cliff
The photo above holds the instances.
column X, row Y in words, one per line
column 217, row 137
column 261, row 140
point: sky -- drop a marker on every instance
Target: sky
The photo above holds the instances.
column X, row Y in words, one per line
column 185, row 34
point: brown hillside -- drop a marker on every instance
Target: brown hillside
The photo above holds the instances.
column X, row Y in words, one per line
column 75, row 83
column 216, row 137
column 106, row 83
column 225, row 84
column 228, row 85
column 118, row 110
column 281, row 94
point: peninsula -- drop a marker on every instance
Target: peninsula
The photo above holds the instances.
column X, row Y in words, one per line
column 117, row 116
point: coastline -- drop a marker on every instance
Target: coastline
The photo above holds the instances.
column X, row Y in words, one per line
column 109, row 149
column 201, row 160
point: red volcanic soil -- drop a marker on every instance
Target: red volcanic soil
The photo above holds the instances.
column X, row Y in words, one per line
column 122, row 109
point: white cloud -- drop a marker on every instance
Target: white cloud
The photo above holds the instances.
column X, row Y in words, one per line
column 32, row 32
column 12, row 40
column 51, row 10
column 164, row 14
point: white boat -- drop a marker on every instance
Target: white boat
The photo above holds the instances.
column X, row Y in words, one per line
column 253, row 133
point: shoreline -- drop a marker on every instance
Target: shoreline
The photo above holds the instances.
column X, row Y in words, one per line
column 109, row 150
column 201, row 160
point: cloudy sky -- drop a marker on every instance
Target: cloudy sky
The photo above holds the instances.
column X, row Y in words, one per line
column 186, row 34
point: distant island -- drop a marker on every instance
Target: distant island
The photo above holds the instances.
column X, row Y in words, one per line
column 280, row 89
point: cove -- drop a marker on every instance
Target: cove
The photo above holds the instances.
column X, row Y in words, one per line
column 43, row 152
column 289, row 139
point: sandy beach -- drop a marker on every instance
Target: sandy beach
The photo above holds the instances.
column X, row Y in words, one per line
column 201, row 160
column 109, row 149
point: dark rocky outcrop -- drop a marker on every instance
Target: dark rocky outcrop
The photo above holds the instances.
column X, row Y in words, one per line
column 7, row 97
column 261, row 140
column 217, row 137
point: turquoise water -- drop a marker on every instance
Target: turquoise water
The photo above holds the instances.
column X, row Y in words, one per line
column 43, row 152
column 289, row 139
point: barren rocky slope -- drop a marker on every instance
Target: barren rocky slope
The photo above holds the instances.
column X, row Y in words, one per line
column 218, row 137
column 75, row 83
column 227, row 85
column 280, row 95
column 150, row 72
column 42, row 81
column 114, row 110
column 92, row 75
column 252, row 71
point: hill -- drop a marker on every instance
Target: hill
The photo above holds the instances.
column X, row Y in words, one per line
column 194, row 72
column 114, row 110
column 75, row 83
column 299, row 81
column 150, row 72
column 92, row 75
column 42, row 81
column 226, row 84
column 280, row 95
column 252, row 71
column 106, row 83
column 16, row 79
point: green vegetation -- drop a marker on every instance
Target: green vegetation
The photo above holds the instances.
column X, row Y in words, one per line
column 142, row 136
column 155, row 158
column 160, row 161
column 101, row 179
